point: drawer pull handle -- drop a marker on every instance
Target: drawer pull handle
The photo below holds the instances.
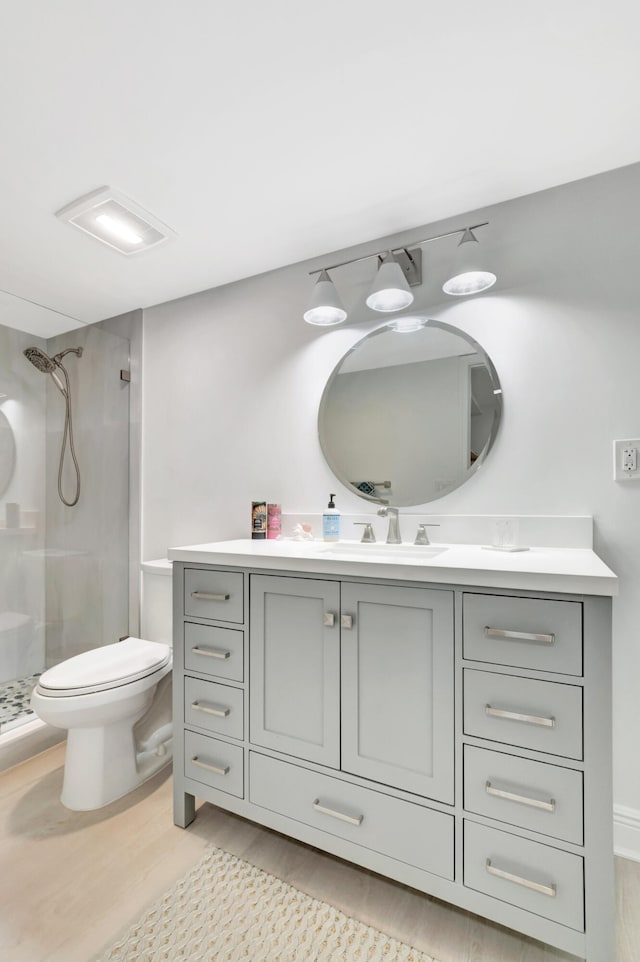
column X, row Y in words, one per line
column 549, row 890
column 517, row 716
column 220, row 712
column 207, row 596
column 329, row 619
column 519, row 635
column 549, row 806
column 346, row 621
column 210, row 768
column 357, row 820
column 211, row 652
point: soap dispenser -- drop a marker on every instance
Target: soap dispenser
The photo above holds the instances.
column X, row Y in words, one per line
column 331, row 521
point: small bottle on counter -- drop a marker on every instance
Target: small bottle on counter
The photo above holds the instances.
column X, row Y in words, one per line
column 258, row 520
column 331, row 521
column 274, row 521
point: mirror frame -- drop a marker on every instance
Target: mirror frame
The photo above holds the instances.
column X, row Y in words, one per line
column 497, row 387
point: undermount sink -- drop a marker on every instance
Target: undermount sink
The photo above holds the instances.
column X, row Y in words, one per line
column 381, row 552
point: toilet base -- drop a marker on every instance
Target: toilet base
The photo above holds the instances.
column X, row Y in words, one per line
column 102, row 765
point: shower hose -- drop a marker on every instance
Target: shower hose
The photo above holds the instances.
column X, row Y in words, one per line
column 68, row 436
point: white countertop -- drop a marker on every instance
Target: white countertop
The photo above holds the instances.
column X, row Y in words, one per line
column 571, row 570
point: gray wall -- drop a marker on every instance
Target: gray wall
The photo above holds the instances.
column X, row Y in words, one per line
column 233, row 378
column 129, row 327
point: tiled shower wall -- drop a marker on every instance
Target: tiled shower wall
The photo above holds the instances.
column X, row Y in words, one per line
column 87, row 546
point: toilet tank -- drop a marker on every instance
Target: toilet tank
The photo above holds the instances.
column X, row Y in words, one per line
column 156, row 622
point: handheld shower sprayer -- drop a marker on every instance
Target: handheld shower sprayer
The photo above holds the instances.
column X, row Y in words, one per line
column 51, row 365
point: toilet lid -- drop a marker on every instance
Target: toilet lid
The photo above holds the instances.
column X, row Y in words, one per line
column 106, row 667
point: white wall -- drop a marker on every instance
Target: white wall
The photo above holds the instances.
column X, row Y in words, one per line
column 233, row 377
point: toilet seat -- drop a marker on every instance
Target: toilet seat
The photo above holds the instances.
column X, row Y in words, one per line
column 102, row 668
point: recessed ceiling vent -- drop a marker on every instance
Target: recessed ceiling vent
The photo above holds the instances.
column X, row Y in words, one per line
column 115, row 220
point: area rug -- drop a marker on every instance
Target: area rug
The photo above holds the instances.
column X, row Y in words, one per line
column 226, row 910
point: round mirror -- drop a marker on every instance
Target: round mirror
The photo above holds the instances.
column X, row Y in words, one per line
column 407, row 417
column 7, row 452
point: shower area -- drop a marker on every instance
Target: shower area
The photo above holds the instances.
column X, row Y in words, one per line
column 64, row 505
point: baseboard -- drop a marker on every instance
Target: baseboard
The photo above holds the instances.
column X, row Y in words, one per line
column 626, row 832
column 30, row 739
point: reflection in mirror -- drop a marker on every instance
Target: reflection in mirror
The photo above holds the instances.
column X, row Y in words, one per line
column 7, row 453
column 407, row 417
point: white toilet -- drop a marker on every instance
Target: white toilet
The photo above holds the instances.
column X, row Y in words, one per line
column 115, row 702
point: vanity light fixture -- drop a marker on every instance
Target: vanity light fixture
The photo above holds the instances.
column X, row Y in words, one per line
column 117, row 221
column 469, row 281
column 325, row 307
column 399, row 269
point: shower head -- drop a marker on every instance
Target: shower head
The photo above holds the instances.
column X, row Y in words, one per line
column 40, row 360
column 47, row 365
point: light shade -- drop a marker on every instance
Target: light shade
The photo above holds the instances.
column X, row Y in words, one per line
column 470, row 278
column 325, row 307
column 390, row 290
column 115, row 220
column 469, row 282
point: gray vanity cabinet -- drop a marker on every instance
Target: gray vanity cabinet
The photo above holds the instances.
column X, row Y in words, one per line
column 454, row 738
column 295, row 667
column 397, row 687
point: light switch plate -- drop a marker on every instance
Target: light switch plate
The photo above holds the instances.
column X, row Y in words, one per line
column 626, row 460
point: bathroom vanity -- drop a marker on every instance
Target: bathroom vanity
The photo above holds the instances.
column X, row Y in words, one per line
column 441, row 718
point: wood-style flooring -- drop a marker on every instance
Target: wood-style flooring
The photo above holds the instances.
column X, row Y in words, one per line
column 71, row 882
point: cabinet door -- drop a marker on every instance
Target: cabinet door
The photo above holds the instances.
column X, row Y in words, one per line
column 294, row 662
column 397, row 687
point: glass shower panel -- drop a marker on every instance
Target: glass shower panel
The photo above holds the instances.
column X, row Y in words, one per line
column 64, row 570
column 22, row 530
column 86, row 555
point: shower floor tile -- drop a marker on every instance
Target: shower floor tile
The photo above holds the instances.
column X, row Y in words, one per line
column 15, row 696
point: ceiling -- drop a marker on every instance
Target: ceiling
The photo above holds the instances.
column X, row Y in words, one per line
column 271, row 131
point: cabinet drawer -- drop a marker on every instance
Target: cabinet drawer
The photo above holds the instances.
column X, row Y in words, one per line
column 214, row 651
column 217, row 595
column 217, row 708
column 523, row 632
column 533, row 876
column 214, row 763
column 407, row 832
column 542, row 715
column 543, row 798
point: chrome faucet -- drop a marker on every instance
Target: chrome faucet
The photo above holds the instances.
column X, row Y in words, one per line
column 393, row 534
